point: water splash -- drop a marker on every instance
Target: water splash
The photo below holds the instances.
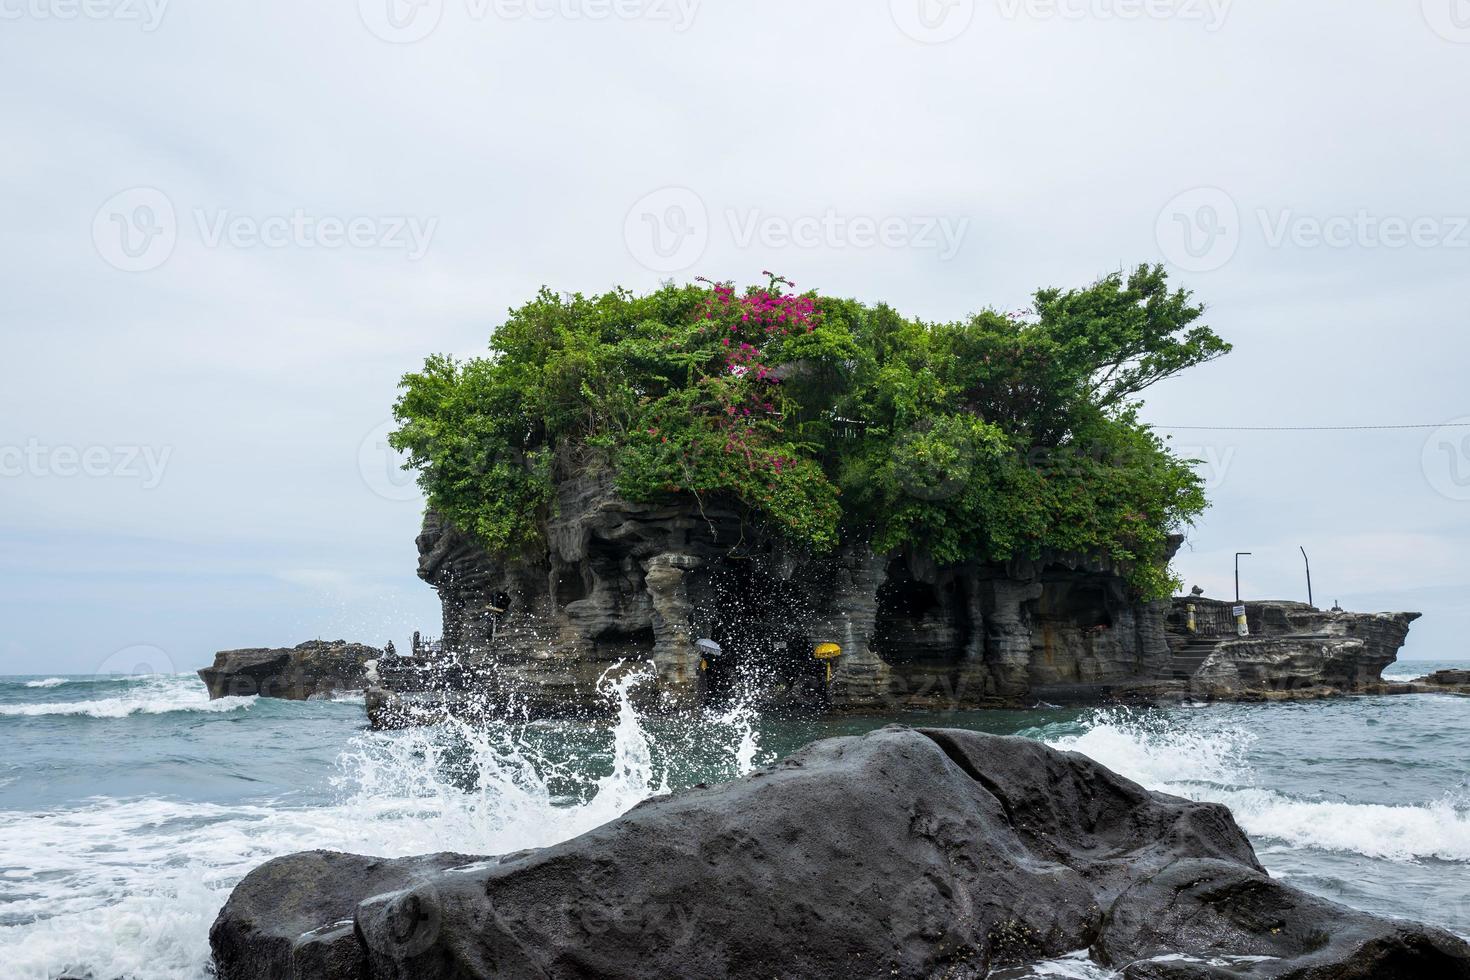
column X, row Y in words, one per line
column 743, row 719
column 491, row 787
column 128, row 888
column 1158, row 750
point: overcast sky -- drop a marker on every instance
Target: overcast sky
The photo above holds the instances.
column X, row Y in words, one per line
column 230, row 227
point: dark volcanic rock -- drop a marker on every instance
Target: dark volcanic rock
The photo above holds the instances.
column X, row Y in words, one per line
column 1267, row 929
column 1448, row 678
column 897, row 854
column 314, row 667
column 292, row 917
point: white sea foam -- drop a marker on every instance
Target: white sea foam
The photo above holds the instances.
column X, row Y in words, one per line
column 1433, row 830
column 48, row 682
column 1073, row 966
column 1210, row 764
column 155, row 695
column 129, row 888
column 1080, row 966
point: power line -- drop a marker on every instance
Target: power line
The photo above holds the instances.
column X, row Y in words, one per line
column 1307, row 428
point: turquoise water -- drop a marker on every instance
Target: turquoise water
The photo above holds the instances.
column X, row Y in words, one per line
column 130, row 806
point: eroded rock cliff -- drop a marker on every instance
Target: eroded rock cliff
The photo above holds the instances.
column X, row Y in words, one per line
column 621, row 580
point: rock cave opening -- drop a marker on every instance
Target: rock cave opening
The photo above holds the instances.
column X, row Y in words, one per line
column 922, row 624
column 762, row 625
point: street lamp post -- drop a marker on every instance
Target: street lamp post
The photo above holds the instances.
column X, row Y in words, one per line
column 1238, row 556
column 1308, row 562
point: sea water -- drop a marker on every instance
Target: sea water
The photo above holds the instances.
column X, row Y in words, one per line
column 130, row 806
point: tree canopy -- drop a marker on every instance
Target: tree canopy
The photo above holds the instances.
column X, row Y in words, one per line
column 994, row 437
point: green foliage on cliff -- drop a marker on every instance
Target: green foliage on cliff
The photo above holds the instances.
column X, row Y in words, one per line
column 994, row 437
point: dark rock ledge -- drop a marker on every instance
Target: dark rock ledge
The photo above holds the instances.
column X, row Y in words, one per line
column 902, row 853
column 315, row 668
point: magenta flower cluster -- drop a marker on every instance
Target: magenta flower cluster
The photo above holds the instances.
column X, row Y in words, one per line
column 747, row 324
column 772, row 311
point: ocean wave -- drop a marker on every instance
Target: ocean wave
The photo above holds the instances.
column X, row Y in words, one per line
column 187, row 679
column 124, row 707
column 1211, row 765
column 129, row 888
column 341, row 697
column 1408, row 832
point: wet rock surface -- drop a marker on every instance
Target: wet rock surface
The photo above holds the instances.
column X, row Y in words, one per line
column 902, row 853
column 313, row 668
column 1259, row 927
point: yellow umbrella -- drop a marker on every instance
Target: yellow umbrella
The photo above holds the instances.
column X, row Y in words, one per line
column 828, row 652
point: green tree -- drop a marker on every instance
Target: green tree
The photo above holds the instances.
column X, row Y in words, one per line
column 996, row 437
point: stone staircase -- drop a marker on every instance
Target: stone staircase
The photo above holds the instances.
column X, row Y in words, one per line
column 1187, row 659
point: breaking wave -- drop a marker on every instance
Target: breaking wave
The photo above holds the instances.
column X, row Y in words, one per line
column 128, row 888
column 1210, row 764
column 147, row 695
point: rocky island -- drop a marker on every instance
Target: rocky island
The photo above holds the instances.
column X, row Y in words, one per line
column 650, row 580
column 808, row 503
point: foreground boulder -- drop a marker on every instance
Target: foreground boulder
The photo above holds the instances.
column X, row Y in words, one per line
column 293, row 917
column 313, row 668
column 902, row 853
